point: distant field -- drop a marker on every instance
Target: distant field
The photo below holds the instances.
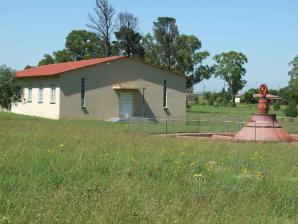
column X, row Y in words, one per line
column 99, row 172
column 211, row 119
column 239, row 110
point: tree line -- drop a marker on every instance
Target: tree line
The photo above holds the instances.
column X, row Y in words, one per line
column 166, row 47
column 112, row 34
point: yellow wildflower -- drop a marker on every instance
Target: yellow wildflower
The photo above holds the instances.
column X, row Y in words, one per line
column 259, row 174
column 193, row 164
column 4, row 155
column 244, row 170
column 49, row 150
column 177, row 162
column 61, row 145
column 198, row 175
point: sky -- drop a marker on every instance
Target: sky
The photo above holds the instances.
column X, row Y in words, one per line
column 266, row 31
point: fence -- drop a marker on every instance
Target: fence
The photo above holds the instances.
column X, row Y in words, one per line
column 199, row 124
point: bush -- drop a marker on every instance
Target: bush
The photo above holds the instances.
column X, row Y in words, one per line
column 218, row 99
column 188, row 105
column 291, row 110
column 248, row 98
column 276, row 107
column 211, row 102
column 11, row 89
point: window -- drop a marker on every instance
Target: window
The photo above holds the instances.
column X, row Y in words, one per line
column 53, row 93
column 29, row 100
column 165, row 94
column 40, row 94
column 83, row 93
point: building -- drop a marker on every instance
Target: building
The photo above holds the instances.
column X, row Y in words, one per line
column 104, row 88
column 238, row 98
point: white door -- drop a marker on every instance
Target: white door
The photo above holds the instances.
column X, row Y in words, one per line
column 126, row 104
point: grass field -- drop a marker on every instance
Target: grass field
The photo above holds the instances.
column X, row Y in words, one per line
column 239, row 110
column 97, row 172
column 210, row 119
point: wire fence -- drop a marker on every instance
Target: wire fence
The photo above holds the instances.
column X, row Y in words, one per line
column 198, row 124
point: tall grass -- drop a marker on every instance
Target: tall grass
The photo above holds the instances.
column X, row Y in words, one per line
column 97, row 172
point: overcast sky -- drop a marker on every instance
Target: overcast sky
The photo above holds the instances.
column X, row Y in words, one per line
column 265, row 30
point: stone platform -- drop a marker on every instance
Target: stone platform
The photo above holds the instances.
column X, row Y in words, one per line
column 263, row 127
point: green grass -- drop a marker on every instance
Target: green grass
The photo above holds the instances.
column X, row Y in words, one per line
column 97, row 172
column 239, row 110
column 211, row 119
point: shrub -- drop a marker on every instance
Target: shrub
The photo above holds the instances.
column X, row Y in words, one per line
column 291, row 110
column 188, row 105
column 10, row 88
column 276, row 107
column 248, row 98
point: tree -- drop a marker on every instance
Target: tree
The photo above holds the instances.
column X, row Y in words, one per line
column 294, row 70
column 176, row 52
column 28, row 67
column 128, row 20
column 79, row 45
column 248, row 98
column 82, row 44
column 102, row 23
column 189, row 59
column 284, row 93
column 47, row 60
column 151, row 50
column 293, row 83
column 229, row 66
column 115, row 48
column 291, row 110
column 165, row 32
column 62, row 56
column 202, row 72
column 273, row 92
column 129, row 40
column 10, row 88
column 187, row 53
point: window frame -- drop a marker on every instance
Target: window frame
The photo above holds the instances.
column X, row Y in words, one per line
column 40, row 94
column 165, row 94
column 30, row 90
column 83, row 93
column 53, row 95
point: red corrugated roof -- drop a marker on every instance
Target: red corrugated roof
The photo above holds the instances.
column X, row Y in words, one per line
column 55, row 69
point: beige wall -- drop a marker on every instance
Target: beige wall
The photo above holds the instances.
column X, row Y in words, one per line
column 102, row 101
column 45, row 109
